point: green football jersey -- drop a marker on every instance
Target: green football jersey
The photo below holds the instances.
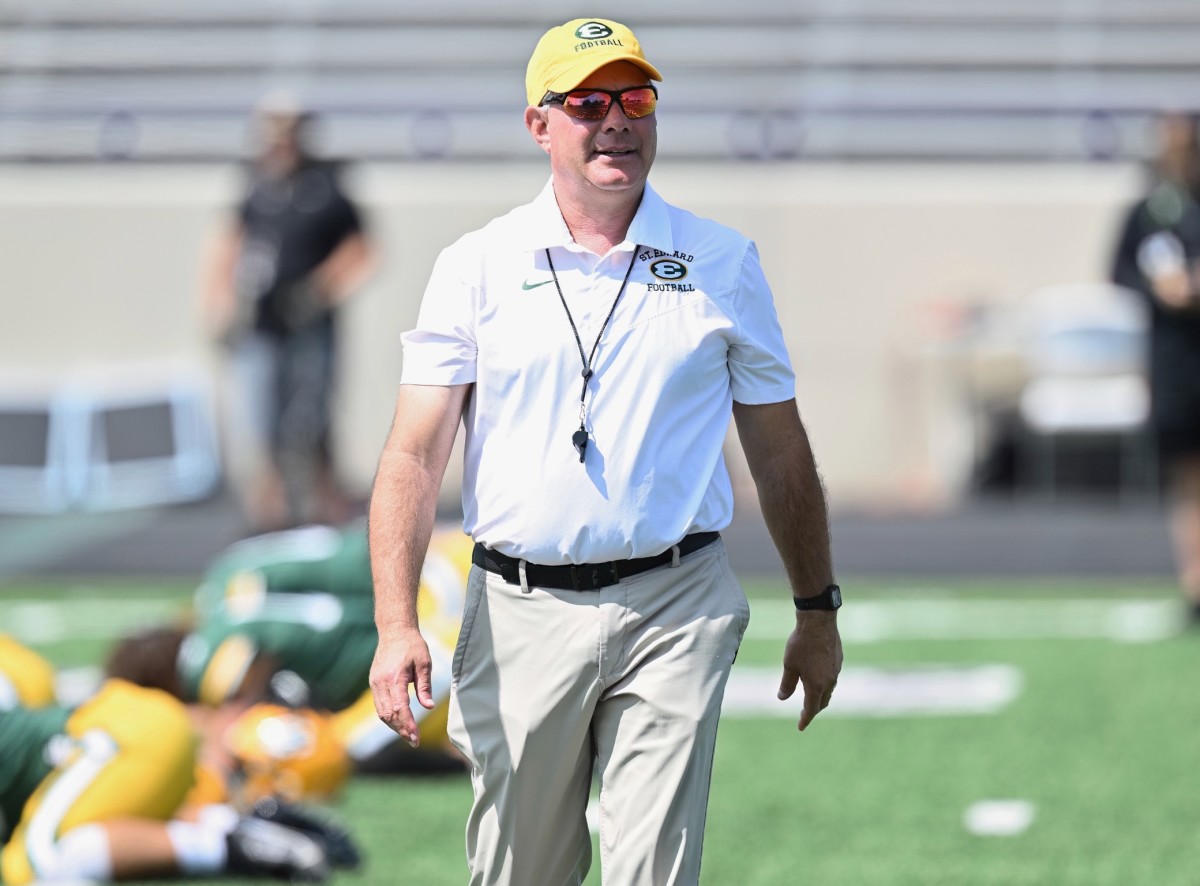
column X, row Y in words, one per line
column 25, row 737
column 304, row 597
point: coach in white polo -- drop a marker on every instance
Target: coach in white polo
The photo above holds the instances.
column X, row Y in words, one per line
column 594, row 343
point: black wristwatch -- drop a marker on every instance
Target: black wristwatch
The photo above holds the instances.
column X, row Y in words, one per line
column 826, row 601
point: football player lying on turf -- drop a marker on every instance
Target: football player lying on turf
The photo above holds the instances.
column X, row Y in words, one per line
column 289, row 617
column 99, row 793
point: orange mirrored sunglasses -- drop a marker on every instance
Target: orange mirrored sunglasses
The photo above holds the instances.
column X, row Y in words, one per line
column 593, row 104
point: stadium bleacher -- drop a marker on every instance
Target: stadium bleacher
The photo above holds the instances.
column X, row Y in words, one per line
column 773, row 79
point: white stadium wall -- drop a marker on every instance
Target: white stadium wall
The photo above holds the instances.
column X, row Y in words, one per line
column 100, row 268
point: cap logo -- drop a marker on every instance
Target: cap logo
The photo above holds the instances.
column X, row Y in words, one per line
column 593, row 31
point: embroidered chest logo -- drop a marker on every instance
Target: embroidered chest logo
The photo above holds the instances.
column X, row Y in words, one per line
column 527, row 285
column 669, row 267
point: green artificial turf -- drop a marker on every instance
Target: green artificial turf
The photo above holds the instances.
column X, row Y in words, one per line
column 1103, row 740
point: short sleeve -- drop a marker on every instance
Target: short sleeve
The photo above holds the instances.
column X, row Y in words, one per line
column 442, row 349
column 759, row 368
column 344, row 217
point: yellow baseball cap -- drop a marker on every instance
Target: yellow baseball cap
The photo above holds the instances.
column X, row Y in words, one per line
column 566, row 55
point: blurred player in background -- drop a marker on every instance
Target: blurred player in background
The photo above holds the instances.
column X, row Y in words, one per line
column 288, row 618
column 272, row 285
column 100, row 793
column 1158, row 255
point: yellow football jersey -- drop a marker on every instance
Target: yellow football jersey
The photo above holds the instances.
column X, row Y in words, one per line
column 26, row 679
column 127, row 752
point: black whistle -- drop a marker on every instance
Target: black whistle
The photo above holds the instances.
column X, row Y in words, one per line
column 580, row 441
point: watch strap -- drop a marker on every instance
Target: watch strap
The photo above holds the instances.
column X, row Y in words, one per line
column 827, row 601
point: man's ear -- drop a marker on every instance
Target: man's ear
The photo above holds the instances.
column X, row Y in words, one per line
column 537, row 121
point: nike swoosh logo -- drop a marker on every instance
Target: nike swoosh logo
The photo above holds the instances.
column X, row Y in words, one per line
column 528, row 285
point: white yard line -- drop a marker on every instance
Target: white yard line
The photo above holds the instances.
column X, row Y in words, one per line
column 917, row 691
column 868, row 621
column 999, row 818
column 41, row 621
column 876, row 621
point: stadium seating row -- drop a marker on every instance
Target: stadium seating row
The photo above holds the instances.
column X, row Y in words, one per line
column 712, row 11
column 50, row 47
column 992, row 79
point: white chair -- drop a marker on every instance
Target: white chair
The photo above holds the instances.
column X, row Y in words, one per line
column 143, row 435
column 33, row 444
column 1084, row 347
column 107, row 438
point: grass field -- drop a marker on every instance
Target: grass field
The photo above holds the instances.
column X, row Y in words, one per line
column 1076, row 701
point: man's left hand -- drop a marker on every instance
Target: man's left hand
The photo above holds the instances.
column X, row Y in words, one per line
column 812, row 656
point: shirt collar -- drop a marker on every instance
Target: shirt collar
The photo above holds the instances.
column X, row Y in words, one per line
column 543, row 224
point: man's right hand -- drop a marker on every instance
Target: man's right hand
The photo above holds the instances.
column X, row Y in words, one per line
column 401, row 659
column 813, row 657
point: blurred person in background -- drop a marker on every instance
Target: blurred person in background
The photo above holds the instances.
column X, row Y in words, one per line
column 272, row 285
column 1158, row 255
column 100, row 792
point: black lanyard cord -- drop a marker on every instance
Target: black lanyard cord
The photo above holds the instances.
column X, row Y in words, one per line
column 580, row 439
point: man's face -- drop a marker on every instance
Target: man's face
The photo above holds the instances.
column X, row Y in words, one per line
column 280, row 143
column 612, row 154
column 1179, row 154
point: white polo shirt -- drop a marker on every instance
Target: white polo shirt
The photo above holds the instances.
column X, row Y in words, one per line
column 694, row 330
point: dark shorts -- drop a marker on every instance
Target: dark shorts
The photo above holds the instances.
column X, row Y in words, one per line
column 303, row 392
column 1175, row 389
column 1176, row 415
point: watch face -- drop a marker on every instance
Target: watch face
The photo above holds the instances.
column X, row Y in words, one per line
column 835, row 597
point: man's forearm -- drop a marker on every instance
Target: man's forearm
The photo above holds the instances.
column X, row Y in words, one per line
column 404, row 497
column 793, row 506
column 400, row 523
column 346, row 269
column 789, row 491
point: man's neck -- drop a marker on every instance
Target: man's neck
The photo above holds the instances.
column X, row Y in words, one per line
column 599, row 223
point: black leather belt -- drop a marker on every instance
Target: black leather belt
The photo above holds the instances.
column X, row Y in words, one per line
column 586, row 576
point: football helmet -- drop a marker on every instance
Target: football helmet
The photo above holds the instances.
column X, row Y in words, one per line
column 291, row 753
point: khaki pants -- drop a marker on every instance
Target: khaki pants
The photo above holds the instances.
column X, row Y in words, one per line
column 549, row 685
